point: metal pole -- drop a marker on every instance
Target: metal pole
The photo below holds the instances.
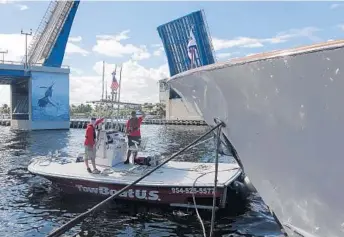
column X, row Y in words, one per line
column 212, row 225
column 103, row 80
column 26, row 34
column 120, row 82
column 3, row 55
column 119, row 89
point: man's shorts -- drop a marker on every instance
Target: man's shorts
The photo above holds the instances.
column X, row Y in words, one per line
column 90, row 153
column 134, row 138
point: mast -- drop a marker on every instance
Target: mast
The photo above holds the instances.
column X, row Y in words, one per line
column 106, row 95
column 120, row 81
column 103, row 80
column 112, row 90
column 119, row 89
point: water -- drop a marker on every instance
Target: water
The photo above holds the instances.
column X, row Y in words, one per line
column 30, row 207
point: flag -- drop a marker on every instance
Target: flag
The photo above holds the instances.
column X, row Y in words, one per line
column 192, row 48
column 114, row 84
column 98, row 121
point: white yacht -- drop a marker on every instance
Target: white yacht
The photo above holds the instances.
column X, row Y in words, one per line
column 284, row 116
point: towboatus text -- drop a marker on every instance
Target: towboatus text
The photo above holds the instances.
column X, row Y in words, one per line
column 135, row 194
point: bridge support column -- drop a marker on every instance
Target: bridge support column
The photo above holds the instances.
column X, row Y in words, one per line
column 42, row 101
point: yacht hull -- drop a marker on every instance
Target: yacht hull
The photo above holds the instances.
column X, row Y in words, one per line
column 284, row 115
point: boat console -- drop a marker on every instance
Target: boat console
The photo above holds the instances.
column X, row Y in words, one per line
column 111, row 148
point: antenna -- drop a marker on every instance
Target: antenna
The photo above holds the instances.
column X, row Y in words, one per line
column 120, row 82
column 26, row 35
column 103, row 81
column 106, row 95
column 3, row 55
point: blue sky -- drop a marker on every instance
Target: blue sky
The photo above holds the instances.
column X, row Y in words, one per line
column 237, row 28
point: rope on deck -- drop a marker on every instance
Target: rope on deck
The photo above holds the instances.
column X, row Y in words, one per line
column 82, row 216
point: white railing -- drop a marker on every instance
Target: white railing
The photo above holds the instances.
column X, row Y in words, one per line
column 23, row 64
column 57, row 22
column 35, row 42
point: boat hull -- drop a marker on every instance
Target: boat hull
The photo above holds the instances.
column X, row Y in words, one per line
column 172, row 184
column 174, row 196
column 285, row 118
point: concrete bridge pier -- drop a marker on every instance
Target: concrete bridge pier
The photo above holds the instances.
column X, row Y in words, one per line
column 39, row 96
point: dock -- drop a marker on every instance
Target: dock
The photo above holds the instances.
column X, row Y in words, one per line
column 82, row 123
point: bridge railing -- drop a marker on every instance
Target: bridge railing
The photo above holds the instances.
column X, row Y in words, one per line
column 32, row 64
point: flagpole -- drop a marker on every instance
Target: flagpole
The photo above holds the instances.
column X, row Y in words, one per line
column 112, row 97
column 103, row 81
column 112, row 90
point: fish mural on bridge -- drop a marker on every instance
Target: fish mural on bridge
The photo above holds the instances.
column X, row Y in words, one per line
column 50, row 97
column 44, row 101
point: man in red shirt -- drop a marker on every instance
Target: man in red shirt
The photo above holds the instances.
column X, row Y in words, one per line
column 90, row 146
column 133, row 132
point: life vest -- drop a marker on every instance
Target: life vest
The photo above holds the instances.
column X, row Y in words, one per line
column 94, row 132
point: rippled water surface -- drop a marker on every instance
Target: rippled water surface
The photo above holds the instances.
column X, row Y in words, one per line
column 29, row 206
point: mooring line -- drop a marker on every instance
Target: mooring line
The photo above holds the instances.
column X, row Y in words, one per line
column 80, row 217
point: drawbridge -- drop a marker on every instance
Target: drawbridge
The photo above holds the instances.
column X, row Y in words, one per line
column 39, row 83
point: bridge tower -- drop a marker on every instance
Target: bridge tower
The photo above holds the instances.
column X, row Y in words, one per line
column 40, row 84
column 176, row 37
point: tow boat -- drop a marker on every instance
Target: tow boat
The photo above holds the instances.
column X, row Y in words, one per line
column 173, row 184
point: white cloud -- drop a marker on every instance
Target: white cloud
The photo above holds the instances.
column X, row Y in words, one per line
column 110, row 45
column 6, row 1
column 335, row 5
column 75, row 49
column 159, row 49
column 139, row 84
column 15, row 44
column 20, row 6
column 156, row 45
column 341, row 26
column 246, row 42
column 223, row 55
column 75, row 39
column 76, row 71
